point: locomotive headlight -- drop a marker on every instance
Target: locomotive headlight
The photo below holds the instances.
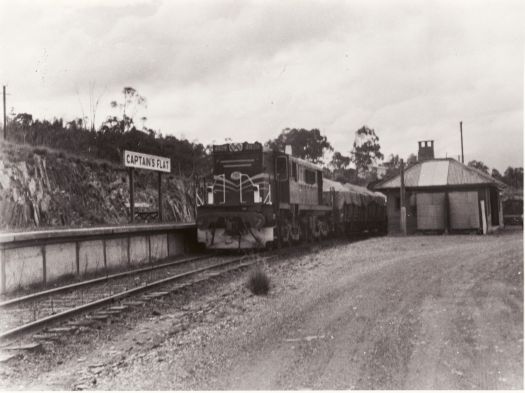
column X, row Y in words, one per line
column 210, row 195
column 256, row 194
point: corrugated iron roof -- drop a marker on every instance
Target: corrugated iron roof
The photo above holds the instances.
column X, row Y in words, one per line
column 433, row 173
column 439, row 172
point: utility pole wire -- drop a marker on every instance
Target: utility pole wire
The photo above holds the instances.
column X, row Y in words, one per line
column 94, row 102
column 81, row 107
column 461, row 131
column 5, row 117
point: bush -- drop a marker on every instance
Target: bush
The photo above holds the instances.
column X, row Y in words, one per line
column 258, row 281
column 40, row 151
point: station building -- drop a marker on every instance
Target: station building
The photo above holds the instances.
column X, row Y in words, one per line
column 443, row 195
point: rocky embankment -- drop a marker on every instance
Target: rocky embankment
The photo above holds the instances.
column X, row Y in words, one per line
column 43, row 188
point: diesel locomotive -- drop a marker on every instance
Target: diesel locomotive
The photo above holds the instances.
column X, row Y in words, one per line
column 258, row 197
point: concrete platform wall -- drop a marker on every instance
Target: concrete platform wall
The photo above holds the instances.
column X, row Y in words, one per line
column 41, row 258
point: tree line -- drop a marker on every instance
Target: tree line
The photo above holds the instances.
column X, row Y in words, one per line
column 357, row 165
column 116, row 134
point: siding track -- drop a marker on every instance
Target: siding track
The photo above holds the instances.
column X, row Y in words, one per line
column 100, row 299
column 41, row 309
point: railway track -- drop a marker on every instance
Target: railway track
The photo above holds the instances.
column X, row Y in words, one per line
column 51, row 314
column 105, row 296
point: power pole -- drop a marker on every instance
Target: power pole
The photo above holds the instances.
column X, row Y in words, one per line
column 402, row 204
column 461, row 132
column 5, row 118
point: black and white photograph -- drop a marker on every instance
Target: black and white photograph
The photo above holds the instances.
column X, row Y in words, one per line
column 261, row 195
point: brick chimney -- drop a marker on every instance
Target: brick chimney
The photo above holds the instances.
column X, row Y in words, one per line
column 426, row 150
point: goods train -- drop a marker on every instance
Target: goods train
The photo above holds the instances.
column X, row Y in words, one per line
column 259, row 197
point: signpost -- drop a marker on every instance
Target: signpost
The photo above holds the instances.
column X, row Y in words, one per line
column 150, row 162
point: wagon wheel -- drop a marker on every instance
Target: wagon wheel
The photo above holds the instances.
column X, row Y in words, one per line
column 285, row 234
column 304, row 235
column 296, row 233
column 316, row 233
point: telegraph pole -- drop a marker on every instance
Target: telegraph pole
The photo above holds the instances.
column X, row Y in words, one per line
column 402, row 204
column 461, row 132
column 5, row 117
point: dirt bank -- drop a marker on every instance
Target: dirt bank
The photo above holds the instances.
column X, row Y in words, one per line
column 45, row 188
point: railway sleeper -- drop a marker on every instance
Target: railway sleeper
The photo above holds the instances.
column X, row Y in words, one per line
column 99, row 317
column 154, row 295
column 62, row 329
column 46, row 338
column 33, row 346
column 81, row 323
column 118, row 308
column 134, row 303
column 108, row 312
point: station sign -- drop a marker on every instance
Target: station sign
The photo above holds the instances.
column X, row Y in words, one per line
column 146, row 161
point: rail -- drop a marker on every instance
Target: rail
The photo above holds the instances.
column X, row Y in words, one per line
column 97, row 301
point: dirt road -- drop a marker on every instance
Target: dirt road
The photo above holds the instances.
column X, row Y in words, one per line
column 426, row 318
column 421, row 312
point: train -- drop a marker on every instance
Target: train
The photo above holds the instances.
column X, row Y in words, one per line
column 513, row 210
column 260, row 198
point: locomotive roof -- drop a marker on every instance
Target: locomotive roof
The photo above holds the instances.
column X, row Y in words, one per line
column 256, row 146
column 305, row 163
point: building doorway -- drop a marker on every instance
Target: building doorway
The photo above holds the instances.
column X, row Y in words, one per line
column 494, row 206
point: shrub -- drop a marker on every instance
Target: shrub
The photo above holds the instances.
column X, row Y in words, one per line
column 40, row 151
column 258, row 281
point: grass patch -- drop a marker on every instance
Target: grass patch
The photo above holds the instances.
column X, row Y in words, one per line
column 258, row 281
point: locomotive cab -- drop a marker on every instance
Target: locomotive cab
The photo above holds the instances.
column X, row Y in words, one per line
column 234, row 207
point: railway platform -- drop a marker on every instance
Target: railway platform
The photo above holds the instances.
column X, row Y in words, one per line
column 36, row 259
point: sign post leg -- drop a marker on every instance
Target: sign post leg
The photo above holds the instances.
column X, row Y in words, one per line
column 160, row 196
column 131, row 196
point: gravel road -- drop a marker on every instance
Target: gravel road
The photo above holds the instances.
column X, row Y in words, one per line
column 422, row 312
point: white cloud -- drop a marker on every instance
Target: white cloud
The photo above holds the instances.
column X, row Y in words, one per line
column 214, row 69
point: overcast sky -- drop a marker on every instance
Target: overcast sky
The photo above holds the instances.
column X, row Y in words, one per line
column 210, row 70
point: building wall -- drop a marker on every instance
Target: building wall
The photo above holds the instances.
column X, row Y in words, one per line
column 460, row 209
column 464, row 210
column 431, row 211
